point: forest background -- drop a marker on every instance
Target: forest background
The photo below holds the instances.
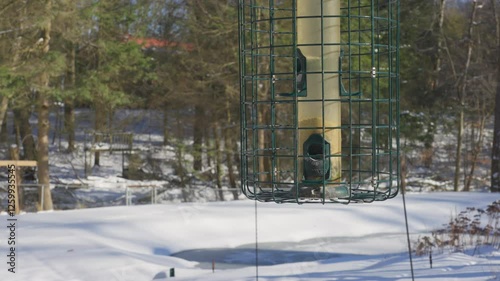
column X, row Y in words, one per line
column 180, row 57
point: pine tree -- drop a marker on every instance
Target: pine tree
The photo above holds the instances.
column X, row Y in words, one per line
column 212, row 69
column 112, row 65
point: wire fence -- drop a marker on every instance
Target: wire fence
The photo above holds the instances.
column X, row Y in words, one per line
column 82, row 196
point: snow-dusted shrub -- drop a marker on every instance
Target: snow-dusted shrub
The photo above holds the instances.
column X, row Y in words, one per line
column 471, row 228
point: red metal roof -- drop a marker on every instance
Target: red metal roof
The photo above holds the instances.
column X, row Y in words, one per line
column 158, row 43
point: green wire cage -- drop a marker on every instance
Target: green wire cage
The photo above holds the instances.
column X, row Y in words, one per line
column 319, row 100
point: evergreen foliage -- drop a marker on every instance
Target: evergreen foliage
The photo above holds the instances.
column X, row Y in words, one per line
column 182, row 56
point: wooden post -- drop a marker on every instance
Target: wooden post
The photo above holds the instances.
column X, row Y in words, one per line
column 14, row 175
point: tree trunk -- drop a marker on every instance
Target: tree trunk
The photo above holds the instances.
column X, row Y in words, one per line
column 110, row 118
column 99, row 125
column 4, row 135
column 3, row 112
column 56, row 133
column 43, row 123
column 208, row 146
column 229, row 149
column 181, row 171
column 218, row 161
column 26, row 140
column 69, row 124
column 264, row 140
column 69, row 114
column 476, row 149
column 495, row 153
column 458, row 153
column 230, row 164
column 43, row 148
column 263, row 114
column 462, row 93
column 429, row 141
column 437, row 62
column 166, row 132
column 199, row 115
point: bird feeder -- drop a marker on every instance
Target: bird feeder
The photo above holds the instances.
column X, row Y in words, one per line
column 319, row 100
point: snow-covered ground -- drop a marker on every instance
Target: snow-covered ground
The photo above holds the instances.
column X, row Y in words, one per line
column 296, row 242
